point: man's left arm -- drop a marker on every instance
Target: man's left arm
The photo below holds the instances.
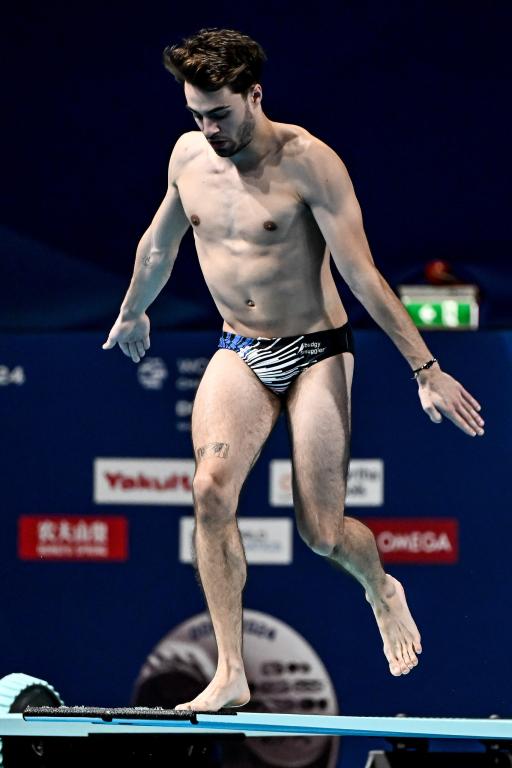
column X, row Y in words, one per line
column 328, row 191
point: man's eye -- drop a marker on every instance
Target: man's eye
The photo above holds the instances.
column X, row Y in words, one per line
column 215, row 117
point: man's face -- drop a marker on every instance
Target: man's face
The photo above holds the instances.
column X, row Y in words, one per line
column 226, row 119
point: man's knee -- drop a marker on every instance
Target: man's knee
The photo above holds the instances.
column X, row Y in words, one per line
column 214, row 498
column 324, row 540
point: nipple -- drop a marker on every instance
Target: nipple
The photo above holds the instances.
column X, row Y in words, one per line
column 195, row 219
column 270, row 226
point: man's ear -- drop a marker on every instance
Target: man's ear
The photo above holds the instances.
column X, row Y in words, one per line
column 257, row 94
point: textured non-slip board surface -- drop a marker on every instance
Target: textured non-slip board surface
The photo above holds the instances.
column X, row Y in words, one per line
column 120, row 713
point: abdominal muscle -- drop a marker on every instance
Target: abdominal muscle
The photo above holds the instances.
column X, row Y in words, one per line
column 271, row 293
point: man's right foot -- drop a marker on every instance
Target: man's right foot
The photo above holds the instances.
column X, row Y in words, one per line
column 400, row 634
column 223, row 691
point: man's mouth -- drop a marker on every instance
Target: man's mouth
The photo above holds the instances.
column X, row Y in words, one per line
column 216, row 142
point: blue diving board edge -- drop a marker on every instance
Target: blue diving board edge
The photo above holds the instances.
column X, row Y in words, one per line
column 259, row 724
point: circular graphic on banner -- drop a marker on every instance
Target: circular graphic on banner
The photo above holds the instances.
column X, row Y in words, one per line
column 285, row 674
column 152, row 373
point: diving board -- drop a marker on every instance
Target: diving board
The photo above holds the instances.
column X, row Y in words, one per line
column 69, row 721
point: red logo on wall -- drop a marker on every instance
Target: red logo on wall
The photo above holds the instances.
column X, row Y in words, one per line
column 416, row 539
column 73, row 538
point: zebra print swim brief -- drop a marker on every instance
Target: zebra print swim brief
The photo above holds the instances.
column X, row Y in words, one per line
column 278, row 361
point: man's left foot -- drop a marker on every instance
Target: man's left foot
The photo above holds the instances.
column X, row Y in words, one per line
column 400, row 634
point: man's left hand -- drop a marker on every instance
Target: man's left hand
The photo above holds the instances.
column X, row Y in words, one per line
column 442, row 395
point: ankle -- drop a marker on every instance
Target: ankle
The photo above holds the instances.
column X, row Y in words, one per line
column 382, row 587
column 230, row 668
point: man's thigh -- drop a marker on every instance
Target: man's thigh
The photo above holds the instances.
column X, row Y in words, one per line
column 232, row 417
column 318, row 414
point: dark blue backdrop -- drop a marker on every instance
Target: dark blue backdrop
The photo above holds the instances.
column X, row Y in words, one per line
column 413, row 96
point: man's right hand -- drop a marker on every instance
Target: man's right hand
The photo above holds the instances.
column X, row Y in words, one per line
column 131, row 335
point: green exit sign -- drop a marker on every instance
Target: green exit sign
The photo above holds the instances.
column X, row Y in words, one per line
column 441, row 307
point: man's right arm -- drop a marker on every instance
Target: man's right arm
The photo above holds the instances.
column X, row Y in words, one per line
column 154, row 260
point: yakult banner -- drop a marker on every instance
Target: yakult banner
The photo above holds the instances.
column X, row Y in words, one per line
column 365, row 483
column 266, row 539
column 143, row 481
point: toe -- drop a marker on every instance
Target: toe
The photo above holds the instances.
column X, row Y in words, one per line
column 186, row 706
column 410, row 657
column 403, row 660
column 394, row 666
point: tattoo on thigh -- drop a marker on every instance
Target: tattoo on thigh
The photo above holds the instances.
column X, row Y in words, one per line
column 220, row 450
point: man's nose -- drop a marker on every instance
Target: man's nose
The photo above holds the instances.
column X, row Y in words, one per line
column 210, row 127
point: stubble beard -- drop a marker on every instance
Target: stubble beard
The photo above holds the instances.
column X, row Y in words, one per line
column 245, row 134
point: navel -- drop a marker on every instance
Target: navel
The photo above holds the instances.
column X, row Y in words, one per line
column 195, row 219
column 270, row 225
column 250, row 303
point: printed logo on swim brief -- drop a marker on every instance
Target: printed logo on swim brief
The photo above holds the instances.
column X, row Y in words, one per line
column 311, row 348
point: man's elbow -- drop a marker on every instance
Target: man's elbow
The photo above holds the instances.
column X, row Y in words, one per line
column 161, row 259
column 363, row 282
column 163, row 246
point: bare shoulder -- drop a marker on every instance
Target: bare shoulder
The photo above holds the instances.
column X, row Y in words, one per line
column 188, row 146
column 315, row 165
column 299, row 143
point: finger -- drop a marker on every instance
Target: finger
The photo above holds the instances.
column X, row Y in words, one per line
column 134, row 354
column 434, row 414
column 146, row 343
column 464, row 405
column 109, row 343
column 470, row 418
column 460, row 422
column 140, row 348
column 470, row 399
column 124, row 348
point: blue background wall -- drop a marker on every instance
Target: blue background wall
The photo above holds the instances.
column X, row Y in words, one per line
column 88, row 627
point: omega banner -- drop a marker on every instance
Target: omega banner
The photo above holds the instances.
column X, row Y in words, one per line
column 97, row 516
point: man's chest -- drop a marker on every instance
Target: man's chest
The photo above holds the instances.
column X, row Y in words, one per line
column 226, row 206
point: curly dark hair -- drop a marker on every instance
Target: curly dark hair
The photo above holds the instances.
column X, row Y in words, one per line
column 213, row 58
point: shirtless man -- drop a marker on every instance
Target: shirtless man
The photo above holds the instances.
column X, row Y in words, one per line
column 269, row 204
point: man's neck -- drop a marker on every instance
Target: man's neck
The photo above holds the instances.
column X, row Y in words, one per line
column 263, row 141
